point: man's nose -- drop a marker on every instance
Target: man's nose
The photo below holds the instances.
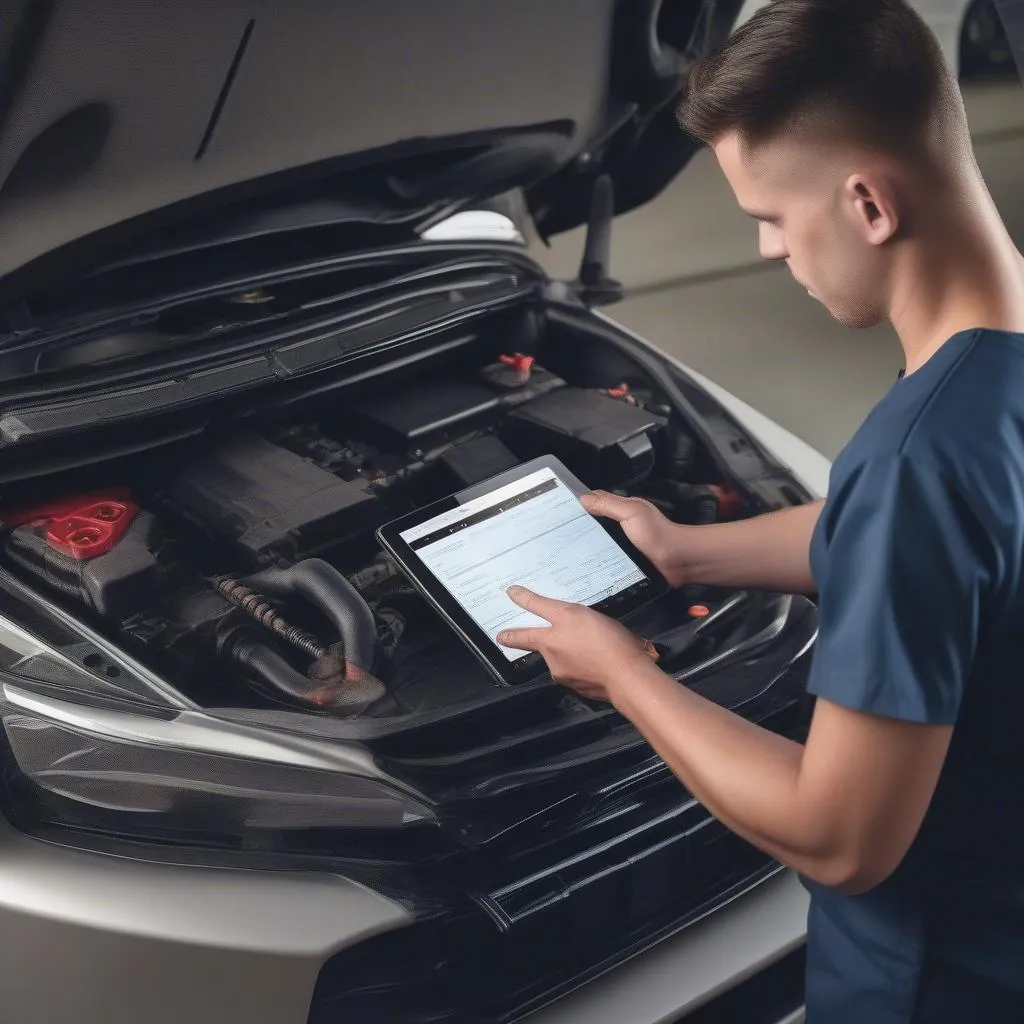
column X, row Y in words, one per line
column 770, row 243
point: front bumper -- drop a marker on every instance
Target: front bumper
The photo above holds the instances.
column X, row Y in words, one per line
column 675, row 979
column 93, row 939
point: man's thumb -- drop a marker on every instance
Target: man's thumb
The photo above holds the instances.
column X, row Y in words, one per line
column 611, row 506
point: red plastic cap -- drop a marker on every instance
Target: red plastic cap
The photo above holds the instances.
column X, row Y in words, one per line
column 522, row 363
column 730, row 504
column 84, row 526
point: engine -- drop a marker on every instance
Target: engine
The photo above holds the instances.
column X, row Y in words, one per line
column 247, row 571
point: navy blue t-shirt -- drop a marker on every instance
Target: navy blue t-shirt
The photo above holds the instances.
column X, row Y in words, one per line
column 918, row 558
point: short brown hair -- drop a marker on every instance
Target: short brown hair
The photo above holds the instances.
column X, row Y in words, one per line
column 871, row 70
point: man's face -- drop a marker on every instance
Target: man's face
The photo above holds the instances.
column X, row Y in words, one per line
column 814, row 211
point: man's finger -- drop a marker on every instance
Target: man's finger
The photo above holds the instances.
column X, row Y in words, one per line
column 611, row 506
column 521, row 639
column 545, row 607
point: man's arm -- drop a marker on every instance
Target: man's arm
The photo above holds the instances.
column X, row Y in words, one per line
column 842, row 810
column 768, row 552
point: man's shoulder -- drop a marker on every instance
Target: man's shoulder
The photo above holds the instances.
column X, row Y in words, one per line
column 976, row 411
column 955, row 449
column 968, row 411
column 962, row 417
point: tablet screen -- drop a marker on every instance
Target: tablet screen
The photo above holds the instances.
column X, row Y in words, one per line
column 533, row 532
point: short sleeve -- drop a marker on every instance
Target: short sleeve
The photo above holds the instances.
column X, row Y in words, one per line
column 901, row 586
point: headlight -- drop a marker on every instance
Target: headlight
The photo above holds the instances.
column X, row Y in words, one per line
column 88, row 751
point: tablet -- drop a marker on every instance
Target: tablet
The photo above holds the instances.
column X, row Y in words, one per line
column 525, row 526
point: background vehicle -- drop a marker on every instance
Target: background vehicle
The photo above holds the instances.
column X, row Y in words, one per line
column 248, row 776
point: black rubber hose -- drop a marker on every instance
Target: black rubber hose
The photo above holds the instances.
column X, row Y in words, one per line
column 320, row 583
column 705, row 506
column 331, row 692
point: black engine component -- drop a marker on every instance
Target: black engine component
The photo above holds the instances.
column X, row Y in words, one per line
column 268, row 504
column 442, row 408
column 416, row 419
column 682, row 456
column 114, row 584
column 695, row 504
column 476, row 460
column 606, row 442
column 179, row 629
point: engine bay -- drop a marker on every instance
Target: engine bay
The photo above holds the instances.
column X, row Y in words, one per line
column 245, row 570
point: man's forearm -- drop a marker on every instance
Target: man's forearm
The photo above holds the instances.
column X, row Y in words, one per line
column 768, row 552
column 746, row 776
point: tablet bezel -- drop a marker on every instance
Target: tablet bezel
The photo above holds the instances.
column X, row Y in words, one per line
column 531, row 665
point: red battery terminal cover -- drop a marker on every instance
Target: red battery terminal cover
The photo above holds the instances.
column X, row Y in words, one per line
column 81, row 527
column 621, row 392
column 520, row 363
column 730, row 504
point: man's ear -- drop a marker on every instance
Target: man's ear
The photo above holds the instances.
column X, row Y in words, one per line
column 872, row 208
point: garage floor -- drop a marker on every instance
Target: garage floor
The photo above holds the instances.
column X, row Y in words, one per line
column 698, row 288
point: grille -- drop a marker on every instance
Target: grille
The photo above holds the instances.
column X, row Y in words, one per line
column 455, row 969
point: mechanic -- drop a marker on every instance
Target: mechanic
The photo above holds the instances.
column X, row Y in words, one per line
column 843, row 133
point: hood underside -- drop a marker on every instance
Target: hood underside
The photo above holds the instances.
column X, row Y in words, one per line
column 118, row 121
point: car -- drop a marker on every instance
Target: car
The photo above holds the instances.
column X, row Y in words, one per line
column 970, row 32
column 265, row 284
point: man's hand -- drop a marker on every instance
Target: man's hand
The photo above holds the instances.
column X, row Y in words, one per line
column 583, row 649
column 770, row 551
column 650, row 531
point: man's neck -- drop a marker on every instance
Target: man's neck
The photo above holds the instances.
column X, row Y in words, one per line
column 967, row 276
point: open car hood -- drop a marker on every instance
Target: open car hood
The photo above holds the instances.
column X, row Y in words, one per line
column 125, row 127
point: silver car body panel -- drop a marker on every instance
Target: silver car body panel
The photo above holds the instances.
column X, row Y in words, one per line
column 93, row 939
